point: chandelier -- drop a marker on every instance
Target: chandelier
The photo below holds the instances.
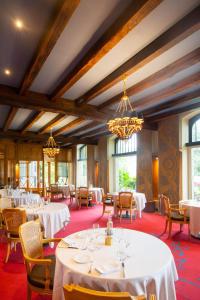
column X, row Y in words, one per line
column 123, row 126
column 51, row 149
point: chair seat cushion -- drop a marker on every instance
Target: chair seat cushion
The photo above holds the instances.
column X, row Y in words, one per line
column 178, row 217
column 37, row 274
column 108, row 202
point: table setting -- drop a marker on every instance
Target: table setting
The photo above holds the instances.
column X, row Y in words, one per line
column 84, row 258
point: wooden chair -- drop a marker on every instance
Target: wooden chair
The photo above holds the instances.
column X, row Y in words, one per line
column 84, row 196
column 174, row 214
column 74, row 292
column 72, row 193
column 127, row 203
column 13, row 218
column 107, row 200
column 55, row 192
column 40, row 268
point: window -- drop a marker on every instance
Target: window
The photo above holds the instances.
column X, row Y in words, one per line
column 23, row 183
column 33, row 174
column 125, row 163
column 81, row 174
column 62, row 173
column 30, row 174
column 194, row 131
column 49, row 173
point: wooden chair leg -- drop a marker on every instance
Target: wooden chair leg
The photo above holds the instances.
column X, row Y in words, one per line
column 8, row 252
column 166, row 225
column 131, row 214
column 120, row 215
column 29, row 292
column 170, row 229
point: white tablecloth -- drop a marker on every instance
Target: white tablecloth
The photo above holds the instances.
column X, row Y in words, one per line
column 53, row 216
column 97, row 193
column 194, row 213
column 140, row 200
column 150, row 269
column 26, row 198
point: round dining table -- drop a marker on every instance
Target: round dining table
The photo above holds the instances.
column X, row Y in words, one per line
column 83, row 259
column 193, row 207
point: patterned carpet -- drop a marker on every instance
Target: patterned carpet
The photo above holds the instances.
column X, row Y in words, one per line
column 186, row 252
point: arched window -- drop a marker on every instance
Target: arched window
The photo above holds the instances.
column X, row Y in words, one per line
column 194, row 131
column 126, row 147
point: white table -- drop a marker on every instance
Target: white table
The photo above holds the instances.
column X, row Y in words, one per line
column 140, row 200
column 26, row 198
column 194, row 213
column 53, row 216
column 151, row 271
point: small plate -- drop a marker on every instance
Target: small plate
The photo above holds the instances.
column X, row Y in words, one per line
column 82, row 258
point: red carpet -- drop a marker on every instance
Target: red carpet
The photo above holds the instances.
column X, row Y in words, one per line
column 186, row 253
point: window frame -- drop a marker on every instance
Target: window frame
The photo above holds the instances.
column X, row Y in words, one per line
column 192, row 121
column 129, row 153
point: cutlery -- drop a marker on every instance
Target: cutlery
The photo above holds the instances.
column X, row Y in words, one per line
column 123, row 270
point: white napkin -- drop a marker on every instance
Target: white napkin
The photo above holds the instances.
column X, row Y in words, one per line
column 73, row 243
column 107, row 268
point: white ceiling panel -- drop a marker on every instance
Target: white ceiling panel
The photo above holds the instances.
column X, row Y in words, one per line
column 87, row 24
column 166, row 15
column 46, row 118
column 4, row 110
column 20, row 118
column 181, row 49
column 64, row 122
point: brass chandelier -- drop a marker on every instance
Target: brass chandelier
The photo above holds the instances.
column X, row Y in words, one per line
column 51, row 149
column 124, row 126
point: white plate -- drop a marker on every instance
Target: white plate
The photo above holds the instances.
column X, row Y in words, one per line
column 82, row 258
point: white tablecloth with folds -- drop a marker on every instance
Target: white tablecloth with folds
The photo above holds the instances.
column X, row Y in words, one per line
column 53, row 216
column 26, row 198
column 139, row 198
column 150, row 269
column 194, row 213
column 97, row 193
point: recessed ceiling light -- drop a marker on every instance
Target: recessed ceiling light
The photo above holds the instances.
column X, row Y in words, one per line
column 7, row 72
column 19, row 24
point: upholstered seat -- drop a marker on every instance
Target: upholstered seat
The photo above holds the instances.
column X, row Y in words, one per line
column 177, row 216
column 37, row 275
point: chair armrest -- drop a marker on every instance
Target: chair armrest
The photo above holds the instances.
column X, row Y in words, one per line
column 44, row 241
column 39, row 261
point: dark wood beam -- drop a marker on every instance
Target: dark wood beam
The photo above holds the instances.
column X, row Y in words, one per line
column 174, row 111
column 16, row 135
column 84, row 128
column 171, row 91
column 30, row 122
column 40, row 102
column 69, row 126
column 103, row 129
column 130, row 18
column 11, row 115
column 167, row 72
column 170, row 104
column 52, row 124
column 174, row 35
column 64, row 12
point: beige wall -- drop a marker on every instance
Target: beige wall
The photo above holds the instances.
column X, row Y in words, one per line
column 103, row 163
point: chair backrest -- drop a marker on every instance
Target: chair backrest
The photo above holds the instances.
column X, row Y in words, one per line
column 5, row 203
column 73, row 292
column 54, row 187
column 13, row 218
column 83, row 192
column 166, row 202
column 125, row 199
column 31, row 239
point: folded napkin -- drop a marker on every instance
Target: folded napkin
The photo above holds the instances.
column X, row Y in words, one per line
column 107, row 268
column 73, row 243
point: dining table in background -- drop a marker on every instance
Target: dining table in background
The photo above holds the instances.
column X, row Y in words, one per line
column 149, row 265
column 193, row 207
column 139, row 198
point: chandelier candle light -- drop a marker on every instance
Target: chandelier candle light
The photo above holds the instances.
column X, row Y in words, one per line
column 124, row 127
column 51, row 149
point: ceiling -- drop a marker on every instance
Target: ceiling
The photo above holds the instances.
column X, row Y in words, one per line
column 67, row 60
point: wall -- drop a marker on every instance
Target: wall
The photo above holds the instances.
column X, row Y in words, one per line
column 169, row 158
column 144, row 163
column 103, row 163
column 90, row 165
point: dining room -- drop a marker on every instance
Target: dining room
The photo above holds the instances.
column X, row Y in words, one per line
column 100, row 149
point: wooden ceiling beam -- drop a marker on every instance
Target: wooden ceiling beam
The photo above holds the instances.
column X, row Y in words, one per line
column 172, row 103
column 10, row 117
column 174, row 35
column 59, row 118
column 171, row 91
column 84, row 128
column 179, row 65
column 31, row 121
column 130, row 18
column 69, row 126
column 103, row 129
column 64, row 12
column 40, row 102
